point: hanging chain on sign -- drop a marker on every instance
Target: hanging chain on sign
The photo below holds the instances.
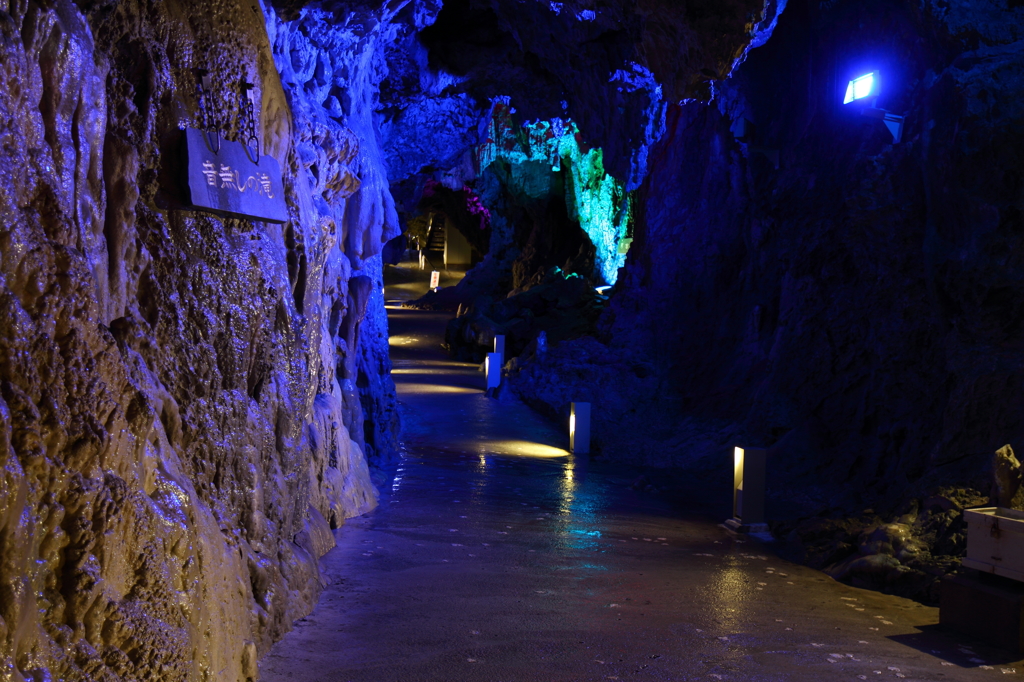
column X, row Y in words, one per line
column 225, row 173
column 247, row 120
column 206, row 121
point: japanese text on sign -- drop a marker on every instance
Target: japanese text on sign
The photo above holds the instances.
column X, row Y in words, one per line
column 231, row 179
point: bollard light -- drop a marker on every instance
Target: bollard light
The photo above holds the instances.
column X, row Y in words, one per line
column 492, row 369
column 748, row 491
column 579, row 428
column 499, row 344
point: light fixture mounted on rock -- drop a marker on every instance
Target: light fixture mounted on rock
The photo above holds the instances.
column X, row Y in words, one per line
column 863, row 92
column 862, row 87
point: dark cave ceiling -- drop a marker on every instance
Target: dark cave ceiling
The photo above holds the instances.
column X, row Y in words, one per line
column 606, row 65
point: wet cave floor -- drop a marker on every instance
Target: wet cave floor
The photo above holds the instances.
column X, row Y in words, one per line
column 497, row 556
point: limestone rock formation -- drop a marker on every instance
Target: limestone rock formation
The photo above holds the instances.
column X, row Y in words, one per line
column 181, row 411
column 561, row 306
column 189, row 404
column 853, row 308
column 1006, row 480
column 608, row 66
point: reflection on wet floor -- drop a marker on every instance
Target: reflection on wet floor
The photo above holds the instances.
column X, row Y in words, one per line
column 419, row 389
column 498, row 556
column 407, row 282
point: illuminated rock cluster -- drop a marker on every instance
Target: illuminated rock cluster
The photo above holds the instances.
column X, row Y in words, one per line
column 607, row 66
column 594, row 199
column 806, row 285
column 565, row 113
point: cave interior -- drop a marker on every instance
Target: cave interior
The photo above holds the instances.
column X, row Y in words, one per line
column 687, row 213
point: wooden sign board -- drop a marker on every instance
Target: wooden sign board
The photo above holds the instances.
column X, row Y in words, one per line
column 229, row 183
column 435, row 279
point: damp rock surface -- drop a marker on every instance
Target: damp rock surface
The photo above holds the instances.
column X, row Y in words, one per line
column 908, row 554
column 181, row 416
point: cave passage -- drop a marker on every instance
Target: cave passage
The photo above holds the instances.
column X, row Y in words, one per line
column 228, row 455
column 497, row 555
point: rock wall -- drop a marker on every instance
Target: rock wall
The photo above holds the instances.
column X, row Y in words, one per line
column 567, row 99
column 332, row 63
column 181, row 413
column 855, row 308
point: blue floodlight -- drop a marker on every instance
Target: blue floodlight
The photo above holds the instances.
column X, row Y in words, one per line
column 859, row 88
column 866, row 86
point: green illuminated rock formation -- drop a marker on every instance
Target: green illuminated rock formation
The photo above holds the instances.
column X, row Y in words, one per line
column 594, row 199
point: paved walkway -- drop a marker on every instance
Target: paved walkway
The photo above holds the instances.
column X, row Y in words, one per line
column 497, row 557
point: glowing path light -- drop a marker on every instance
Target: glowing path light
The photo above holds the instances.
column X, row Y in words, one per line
column 430, row 389
column 519, row 448
column 748, row 491
column 579, row 428
column 492, row 370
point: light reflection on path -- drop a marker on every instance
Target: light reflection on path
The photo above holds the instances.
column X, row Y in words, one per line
column 496, row 555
